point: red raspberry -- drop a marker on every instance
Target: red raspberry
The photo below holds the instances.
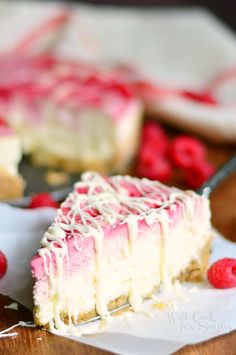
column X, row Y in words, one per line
column 203, row 97
column 158, row 169
column 146, row 154
column 198, row 173
column 222, row 274
column 43, row 199
column 154, row 135
column 3, row 264
column 184, row 151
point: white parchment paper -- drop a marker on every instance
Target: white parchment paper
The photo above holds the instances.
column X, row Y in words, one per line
column 196, row 313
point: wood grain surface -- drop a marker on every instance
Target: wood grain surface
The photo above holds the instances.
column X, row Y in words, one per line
column 36, row 341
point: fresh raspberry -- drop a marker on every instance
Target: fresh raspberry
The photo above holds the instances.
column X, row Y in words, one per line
column 184, row 151
column 43, row 199
column 151, row 158
column 203, row 97
column 154, row 135
column 3, row 264
column 147, row 154
column 157, row 169
column 198, row 173
column 222, row 274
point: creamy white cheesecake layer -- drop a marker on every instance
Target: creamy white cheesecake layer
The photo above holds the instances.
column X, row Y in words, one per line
column 127, row 136
column 185, row 242
column 10, row 148
column 89, row 138
column 124, row 268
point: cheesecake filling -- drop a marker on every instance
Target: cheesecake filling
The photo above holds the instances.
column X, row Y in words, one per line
column 11, row 153
column 11, row 183
column 115, row 238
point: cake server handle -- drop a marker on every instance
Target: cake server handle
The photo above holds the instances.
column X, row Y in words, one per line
column 221, row 174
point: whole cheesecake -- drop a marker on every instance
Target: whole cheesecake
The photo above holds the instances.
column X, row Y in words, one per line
column 70, row 115
column 116, row 240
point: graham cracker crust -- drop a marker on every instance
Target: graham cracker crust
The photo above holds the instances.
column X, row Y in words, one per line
column 118, row 302
column 195, row 272
column 11, row 186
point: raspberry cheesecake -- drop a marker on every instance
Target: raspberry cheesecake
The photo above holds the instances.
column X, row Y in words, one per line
column 116, row 240
column 70, row 115
column 11, row 183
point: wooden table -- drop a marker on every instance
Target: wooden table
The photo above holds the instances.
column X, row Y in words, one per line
column 36, row 341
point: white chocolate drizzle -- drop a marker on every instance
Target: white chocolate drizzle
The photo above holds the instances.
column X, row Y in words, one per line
column 135, row 298
column 98, row 203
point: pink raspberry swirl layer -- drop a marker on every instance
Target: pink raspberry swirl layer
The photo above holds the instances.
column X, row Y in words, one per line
column 64, row 83
column 104, row 205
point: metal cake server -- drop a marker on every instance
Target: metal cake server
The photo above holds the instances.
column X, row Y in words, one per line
column 221, row 174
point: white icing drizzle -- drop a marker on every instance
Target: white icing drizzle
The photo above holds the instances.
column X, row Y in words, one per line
column 5, row 333
column 165, row 279
column 101, row 304
column 95, row 204
column 135, row 298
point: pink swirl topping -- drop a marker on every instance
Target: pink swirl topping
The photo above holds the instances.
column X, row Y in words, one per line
column 102, row 207
column 100, row 202
column 63, row 82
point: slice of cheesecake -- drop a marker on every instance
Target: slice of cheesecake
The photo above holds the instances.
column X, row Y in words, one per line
column 115, row 240
column 11, row 183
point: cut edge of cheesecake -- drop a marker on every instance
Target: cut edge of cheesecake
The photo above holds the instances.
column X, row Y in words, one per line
column 11, row 183
column 11, row 186
column 195, row 273
column 110, row 146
